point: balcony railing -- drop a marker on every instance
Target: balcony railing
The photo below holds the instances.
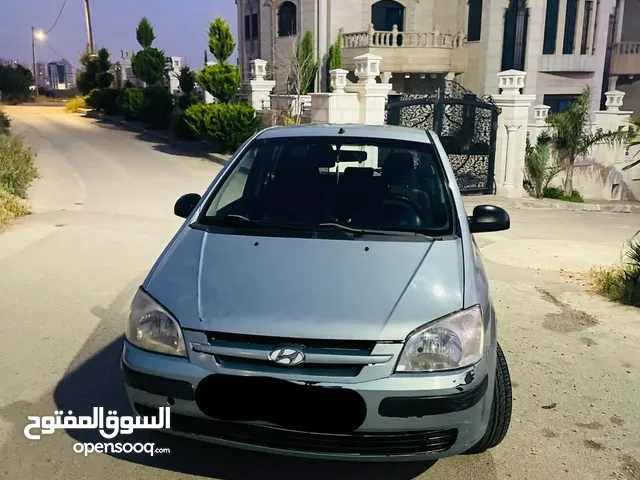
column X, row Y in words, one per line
column 626, row 59
column 626, row 48
column 395, row 38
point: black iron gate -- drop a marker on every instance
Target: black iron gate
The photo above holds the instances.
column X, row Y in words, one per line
column 466, row 125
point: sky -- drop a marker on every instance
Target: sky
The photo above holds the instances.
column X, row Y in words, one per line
column 180, row 27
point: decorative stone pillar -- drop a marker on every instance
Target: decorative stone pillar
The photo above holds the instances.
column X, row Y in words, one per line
column 540, row 115
column 611, row 120
column 511, row 138
column 258, row 89
column 614, row 100
column 371, row 95
column 337, row 107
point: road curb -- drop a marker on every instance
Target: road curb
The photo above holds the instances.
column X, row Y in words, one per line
column 546, row 205
column 163, row 136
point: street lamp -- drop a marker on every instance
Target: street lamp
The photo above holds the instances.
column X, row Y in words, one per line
column 39, row 35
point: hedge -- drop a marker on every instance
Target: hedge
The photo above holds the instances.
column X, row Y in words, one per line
column 228, row 125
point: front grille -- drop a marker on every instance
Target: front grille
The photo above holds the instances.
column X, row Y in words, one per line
column 335, row 358
column 388, row 444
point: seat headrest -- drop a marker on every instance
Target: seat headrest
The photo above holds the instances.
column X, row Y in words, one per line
column 398, row 168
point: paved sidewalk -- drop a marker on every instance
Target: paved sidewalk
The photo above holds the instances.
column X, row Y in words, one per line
column 547, row 204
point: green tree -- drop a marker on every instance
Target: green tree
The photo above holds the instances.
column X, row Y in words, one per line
column 221, row 42
column 223, row 79
column 144, row 33
column 540, row 168
column 306, row 65
column 571, row 135
column 15, row 83
column 186, row 80
column 149, row 63
column 335, row 58
column 634, row 139
column 96, row 71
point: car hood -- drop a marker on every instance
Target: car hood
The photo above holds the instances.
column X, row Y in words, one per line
column 307, row 288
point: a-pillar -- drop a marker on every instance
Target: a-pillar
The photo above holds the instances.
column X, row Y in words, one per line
column 258, row 89
column 511, row 138
column 372, row 96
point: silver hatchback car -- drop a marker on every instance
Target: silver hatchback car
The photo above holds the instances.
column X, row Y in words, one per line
column 325, row 298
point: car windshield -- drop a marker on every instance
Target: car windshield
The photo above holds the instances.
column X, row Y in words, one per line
column 333, row 183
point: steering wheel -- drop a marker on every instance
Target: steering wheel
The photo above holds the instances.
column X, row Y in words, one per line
column 407, row 204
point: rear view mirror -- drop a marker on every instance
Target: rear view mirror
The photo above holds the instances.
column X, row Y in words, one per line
column 489, row 218
column 186, row 204
column 351, row 156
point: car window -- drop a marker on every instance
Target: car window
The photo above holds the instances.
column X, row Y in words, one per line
column 361, row 183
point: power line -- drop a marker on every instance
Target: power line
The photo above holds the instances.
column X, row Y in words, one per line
column 59, row 14
column 58, row 53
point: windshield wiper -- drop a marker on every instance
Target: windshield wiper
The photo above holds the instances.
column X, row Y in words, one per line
column 233, row 220
column 371, row 231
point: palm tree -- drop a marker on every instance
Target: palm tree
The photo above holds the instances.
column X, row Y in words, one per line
column 572, row 136
column 634, row 140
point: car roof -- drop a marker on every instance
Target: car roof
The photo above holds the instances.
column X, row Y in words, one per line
column 349, row 130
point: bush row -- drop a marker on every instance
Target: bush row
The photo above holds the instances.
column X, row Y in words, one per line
column 17, row 171
column 227, row 125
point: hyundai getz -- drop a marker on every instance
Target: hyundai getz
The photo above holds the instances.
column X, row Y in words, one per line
column 325, row 298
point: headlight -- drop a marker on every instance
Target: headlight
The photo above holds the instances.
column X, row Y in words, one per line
column 455, row 341
column 152, row 328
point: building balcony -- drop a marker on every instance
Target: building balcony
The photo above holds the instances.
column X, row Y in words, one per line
column 568, row 63
column 407, row 52
column 626, row 59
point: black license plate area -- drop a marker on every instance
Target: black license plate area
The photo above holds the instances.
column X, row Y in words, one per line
column 309, row 408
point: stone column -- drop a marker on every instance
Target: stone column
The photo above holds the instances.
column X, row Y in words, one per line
column 511, row 137
column 336, row 107
column 371, row 95
column 611, row 120
column 259, row 89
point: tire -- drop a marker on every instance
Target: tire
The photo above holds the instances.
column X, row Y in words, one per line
column 500, row 408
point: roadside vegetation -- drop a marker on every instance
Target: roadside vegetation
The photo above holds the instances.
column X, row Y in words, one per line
column 17, row 171
column 622, row 283
column 569, row 136
column 227, row 122
column 74, row 104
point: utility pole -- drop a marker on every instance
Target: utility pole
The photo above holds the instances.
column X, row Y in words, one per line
column 89, row 31
column 33, row 52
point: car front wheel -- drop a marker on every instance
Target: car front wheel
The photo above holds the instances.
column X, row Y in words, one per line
column 500, row 409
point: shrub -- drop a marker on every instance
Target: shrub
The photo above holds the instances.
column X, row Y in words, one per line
column 94, row 99
column 10, row 208
column 16, row 166
column 558, row 194
column 131, row 102
column 228, row 125
column 5, row 122
column 539, row 165
column 74, row 104
column 221, row 80
column 621, row 284
column 157, row 105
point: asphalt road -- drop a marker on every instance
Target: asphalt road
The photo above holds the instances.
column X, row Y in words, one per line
column 103, row 213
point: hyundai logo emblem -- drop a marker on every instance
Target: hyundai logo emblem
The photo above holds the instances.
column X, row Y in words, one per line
column 287, row 356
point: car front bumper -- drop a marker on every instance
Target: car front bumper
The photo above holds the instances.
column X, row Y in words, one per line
column 414, row 417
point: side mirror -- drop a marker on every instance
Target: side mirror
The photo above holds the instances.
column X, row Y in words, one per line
column 185, row 205
column 489, row 218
